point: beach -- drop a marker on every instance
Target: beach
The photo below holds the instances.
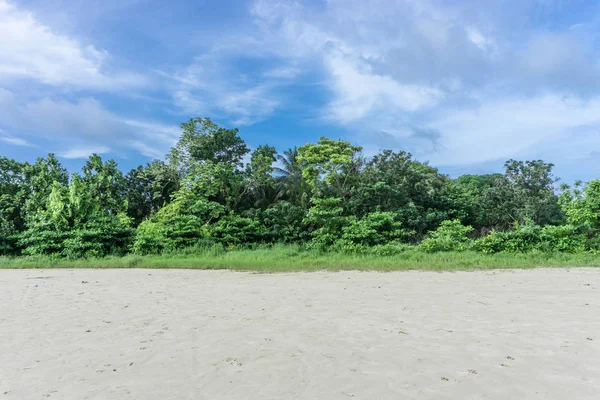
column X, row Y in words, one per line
column 190, row 334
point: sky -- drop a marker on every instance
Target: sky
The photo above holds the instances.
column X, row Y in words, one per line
column 462, row 84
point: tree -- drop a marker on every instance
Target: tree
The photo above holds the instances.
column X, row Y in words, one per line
column 532, row 185
column 73, row 222
column 202, row 140
column 393, row 181
column 291, row 184
column 105, row 184
column 208, row 193
column 330, row 164
column 41, row 178
column 261, row 183
column 581, row 205
column 149, row 188
column 12, row 199
column 326, row 219
column 483, row 201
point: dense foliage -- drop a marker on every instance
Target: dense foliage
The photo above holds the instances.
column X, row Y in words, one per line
column 212, row 190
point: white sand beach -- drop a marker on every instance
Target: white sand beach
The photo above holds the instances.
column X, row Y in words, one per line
column 189, row 334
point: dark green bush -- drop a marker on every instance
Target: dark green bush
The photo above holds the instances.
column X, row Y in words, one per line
column 101, row 236
column 283, row 223
column 234, row 230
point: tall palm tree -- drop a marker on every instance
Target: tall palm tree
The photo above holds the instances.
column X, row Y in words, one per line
column 290, row 183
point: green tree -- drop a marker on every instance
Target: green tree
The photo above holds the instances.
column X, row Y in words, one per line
column 532, row 186
column 203, row 140
column 12, row 203
column 105, row 184
column 483, row 201
column 149, row 188
column 330, row 164
column 291, row 184
column 185, row 220
column 261, row 185
column 393, row 181
column 581, row 205
column 326, row 220
column 41, row 178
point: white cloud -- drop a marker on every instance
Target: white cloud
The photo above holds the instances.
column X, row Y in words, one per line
column 478, row 38
column 152, row 139
column 83, row 127
column 283, row 73
column 84, row 152
column 210, row 86
column 31, row 50
column 57, row 119
column 349, row 40
column 13, row 140
column 360, row 93
column 455, row 82
column 504, row 128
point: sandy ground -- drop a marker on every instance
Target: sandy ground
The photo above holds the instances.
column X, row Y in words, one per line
column 173, row 334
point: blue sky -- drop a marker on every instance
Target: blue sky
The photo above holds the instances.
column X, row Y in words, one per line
column 463, row 84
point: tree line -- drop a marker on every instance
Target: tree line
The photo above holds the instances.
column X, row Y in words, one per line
column 323, row 195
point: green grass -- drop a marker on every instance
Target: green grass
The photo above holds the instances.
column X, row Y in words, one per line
column 281, row 258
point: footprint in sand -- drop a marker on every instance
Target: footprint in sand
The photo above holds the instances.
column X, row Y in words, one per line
column 233, row 361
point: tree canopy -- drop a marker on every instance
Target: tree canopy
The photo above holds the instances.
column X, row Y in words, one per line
column 213, row 190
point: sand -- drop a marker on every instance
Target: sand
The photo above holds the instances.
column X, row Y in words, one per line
column 185, row 334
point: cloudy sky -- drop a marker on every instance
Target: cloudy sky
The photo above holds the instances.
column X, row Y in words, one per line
column 464, row 84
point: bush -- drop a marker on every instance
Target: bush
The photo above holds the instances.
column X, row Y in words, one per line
column 235, row 230
column 101, row 236
column 346, row 246
column 531, row 237
column 42, row 239
column 8, row 245
column 564, row 238
column 522, row 238
column 374, row 229
column 283, row 223
column 155, row 237
column 492, row 243
column 326, row 219
column 350, row 234
column 449, row 236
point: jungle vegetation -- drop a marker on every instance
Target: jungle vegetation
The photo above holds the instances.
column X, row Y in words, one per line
column 321, row 197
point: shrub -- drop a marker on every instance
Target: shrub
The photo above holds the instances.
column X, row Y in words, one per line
column 451, row 235
column 374, row 229
column 42, row 239
column 326, row 219
column 522, row 238
column 8, row 245
column 564, row 238
column 154, row 237
column 494, row 242
column 234, row 229
column 283, row 222
column 101, row 236
column 530, row 237
column 346, row 246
